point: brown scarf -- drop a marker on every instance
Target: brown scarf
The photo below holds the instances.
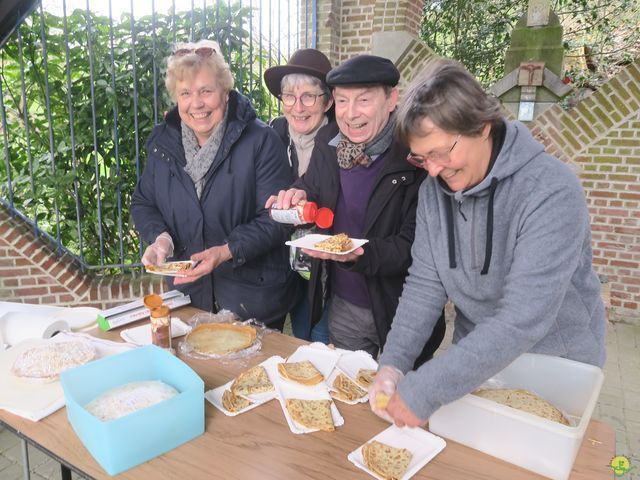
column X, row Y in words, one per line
column 351, row 154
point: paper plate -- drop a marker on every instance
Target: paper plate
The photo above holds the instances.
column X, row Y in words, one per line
column 317, row 392
column 215, row 395
column 423, row 445
column 170, row 269
column 308, row 242
column 78, row 318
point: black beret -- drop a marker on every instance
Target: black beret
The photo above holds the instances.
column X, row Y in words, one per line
column 364, row 70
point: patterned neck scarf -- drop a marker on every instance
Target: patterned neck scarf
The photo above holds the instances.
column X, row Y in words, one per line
column 199, row 159
column 351, row 154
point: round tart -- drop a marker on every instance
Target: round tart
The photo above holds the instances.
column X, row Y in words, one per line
column 525, row 401
column 220, row 338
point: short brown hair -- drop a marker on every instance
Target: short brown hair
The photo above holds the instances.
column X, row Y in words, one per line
column 181, row 66
column 448, row 95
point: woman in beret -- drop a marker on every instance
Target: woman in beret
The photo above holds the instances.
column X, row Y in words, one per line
column 306, row 104
column 503, row 230
column 210, row 167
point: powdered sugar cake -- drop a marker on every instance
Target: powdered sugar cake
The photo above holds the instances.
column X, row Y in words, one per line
column 45, row 362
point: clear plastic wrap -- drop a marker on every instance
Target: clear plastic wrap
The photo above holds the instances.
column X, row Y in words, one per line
column 229, row 318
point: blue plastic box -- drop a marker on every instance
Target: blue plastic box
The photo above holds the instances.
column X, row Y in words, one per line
column 133, row 439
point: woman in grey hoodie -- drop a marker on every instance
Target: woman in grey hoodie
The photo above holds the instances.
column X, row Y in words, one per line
column 502, row 230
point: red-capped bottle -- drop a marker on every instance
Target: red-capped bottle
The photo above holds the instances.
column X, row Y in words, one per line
column 303, row 213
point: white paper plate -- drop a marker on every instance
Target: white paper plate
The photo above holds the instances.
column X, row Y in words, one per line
column 322, row 357
column 215, row 395
column 78, row 318
column 317, row 392
column 141, row 335
column 350, row 363
column 171, row 274
column 308, row 242
column 422, row 444
column 330, row 381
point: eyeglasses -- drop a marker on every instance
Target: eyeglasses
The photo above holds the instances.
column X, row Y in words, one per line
column 434, row 156
column 202, row 51
column 307, row 99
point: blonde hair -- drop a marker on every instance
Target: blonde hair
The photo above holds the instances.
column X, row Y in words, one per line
column 180, row 67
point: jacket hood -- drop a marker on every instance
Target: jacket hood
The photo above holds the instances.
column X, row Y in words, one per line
column 517, row 150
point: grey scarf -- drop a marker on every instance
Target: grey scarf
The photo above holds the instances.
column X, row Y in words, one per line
column 199, row 159
column 352, row 154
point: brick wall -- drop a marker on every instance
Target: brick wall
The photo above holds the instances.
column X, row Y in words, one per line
column 345, row 27
column 31, row 272
column 601, row 135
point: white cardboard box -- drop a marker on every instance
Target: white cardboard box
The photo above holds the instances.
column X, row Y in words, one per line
column 542, row 446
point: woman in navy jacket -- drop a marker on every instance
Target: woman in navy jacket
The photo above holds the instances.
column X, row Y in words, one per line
column 211, row 166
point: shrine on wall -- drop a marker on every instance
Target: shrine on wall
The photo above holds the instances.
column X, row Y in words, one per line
column 534, row 64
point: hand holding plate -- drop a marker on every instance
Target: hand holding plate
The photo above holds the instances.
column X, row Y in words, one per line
column 208, row 260
column 348, row 257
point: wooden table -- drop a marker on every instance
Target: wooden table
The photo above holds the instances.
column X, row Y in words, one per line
column 259, row 445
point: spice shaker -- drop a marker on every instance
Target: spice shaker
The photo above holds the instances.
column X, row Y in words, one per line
column 161, row 327
column 303, row 213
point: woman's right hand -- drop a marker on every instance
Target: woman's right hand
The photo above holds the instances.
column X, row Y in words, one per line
column 286, row 198
column 383, row 388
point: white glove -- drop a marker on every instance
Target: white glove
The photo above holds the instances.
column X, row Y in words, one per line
column 158, row 251
column 382, row 389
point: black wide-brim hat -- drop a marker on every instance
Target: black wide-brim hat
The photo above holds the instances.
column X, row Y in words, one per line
column 307, row 60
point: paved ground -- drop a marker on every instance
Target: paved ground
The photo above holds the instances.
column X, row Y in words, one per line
column 618, row 406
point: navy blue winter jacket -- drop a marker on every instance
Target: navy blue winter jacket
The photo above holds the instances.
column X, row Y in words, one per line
column 250, row 165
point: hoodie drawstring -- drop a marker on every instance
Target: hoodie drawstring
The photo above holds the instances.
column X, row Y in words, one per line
column 489, row 245
column 450, row 234
column 488, row 252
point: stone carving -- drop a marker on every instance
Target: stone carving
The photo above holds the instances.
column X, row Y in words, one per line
column 538, row 13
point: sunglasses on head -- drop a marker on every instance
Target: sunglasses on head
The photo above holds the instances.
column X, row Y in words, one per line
column 202, row 51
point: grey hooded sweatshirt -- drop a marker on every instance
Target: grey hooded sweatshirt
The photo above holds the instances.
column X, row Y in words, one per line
column 513, row 254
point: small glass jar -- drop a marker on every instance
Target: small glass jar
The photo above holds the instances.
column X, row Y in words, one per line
column 161, row 327
column 303, row 213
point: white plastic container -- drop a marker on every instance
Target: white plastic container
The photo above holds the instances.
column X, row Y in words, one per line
column 542, row 446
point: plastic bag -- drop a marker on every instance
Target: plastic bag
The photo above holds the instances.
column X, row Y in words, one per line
column 223, row 317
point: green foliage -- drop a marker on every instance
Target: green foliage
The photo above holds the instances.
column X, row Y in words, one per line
column 100, row 165
column 600, row 35
column 475, row 32
column 600, row 38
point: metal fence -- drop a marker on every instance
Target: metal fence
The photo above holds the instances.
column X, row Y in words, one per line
column 81, row 87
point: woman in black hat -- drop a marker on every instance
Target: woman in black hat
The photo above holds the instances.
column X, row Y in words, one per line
column 306, row 103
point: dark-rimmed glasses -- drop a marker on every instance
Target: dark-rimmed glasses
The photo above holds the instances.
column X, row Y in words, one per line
column 441, row 157
column 202, row 51
column 307, row 99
